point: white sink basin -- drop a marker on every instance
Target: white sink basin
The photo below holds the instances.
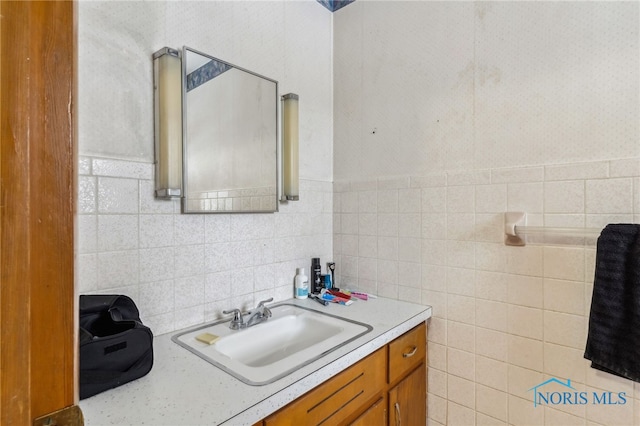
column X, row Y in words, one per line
column 294, row 336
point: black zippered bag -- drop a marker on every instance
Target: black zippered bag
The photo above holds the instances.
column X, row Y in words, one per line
column 115, row 347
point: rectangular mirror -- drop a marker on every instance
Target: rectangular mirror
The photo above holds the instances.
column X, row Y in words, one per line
column 231, row 137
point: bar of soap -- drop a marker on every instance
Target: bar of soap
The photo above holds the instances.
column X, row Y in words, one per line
column 207, row 338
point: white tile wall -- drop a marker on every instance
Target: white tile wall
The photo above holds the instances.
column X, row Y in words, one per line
column 185, row 269
column 505, row 318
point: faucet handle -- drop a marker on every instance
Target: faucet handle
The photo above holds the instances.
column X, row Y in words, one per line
column 237, row 320
column 265, row 311
column 265, row 301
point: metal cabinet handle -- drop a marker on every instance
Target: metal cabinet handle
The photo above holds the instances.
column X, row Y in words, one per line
column 398, row 419
column 410, row 354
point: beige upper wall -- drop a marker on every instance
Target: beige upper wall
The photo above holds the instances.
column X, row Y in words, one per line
column 407, row 87
column 287, row 41
column 423, row 87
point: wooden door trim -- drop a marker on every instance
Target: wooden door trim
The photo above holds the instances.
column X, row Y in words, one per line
column 37, row 187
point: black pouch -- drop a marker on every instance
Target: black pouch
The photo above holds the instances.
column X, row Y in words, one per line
column 115, row 347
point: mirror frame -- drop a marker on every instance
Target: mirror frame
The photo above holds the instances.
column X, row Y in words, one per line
column 185, row 162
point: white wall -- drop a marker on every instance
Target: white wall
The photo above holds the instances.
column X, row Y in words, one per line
column 460, row 85
column 446, row 115
column 185, row 269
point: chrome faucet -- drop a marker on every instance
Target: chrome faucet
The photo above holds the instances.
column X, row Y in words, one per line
column 255, row 316
column 260, row 314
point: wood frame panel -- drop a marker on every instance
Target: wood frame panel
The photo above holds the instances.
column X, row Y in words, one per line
column 37, row 187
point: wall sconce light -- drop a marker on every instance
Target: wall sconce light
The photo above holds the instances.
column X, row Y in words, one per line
column 290, row 169
column 167, row 94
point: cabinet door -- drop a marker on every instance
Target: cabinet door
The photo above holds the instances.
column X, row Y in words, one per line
column 376, row 415
column 408, row 400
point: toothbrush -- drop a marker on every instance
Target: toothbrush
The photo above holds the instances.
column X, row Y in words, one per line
column 340, row 294
column 317, row 299
column 360, row 295
column 336, row 299
column 331, row 267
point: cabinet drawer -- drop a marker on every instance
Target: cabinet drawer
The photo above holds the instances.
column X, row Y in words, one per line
column 340, row 397
column 407, row 351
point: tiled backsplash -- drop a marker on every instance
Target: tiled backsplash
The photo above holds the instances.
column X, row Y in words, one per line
column 185, row 269
column 505, row 318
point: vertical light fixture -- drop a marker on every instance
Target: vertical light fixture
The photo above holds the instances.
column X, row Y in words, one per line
column 290, row 169
column 167, row 94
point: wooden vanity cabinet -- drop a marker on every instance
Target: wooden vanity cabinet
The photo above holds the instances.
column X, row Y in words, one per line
column 388, row 387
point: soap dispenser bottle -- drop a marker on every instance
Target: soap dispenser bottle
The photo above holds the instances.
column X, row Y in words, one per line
column 301, row 284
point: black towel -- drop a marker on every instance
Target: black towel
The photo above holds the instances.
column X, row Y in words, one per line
column 613, row 342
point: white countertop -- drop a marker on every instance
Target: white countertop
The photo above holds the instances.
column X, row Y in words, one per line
column 183, row 389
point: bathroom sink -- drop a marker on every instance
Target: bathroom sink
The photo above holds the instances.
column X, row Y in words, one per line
column 293, row 337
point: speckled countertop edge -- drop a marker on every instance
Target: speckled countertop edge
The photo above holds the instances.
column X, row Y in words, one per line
column 177, row 392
